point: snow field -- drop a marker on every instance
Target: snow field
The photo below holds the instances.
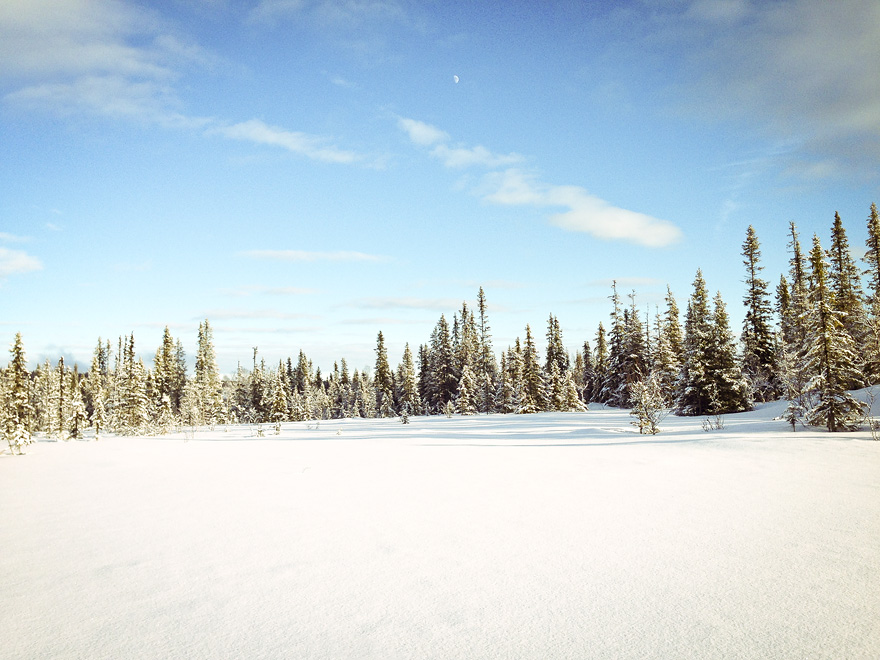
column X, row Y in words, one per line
column 543, row 536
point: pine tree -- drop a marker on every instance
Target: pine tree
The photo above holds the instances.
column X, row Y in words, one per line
column 600, row 365
column 845, row 285
column 872, row 258
column 382, row 380
column 695, row 389
column 409, row 391
column 16, row 404
column 468, row 392
column 831, row 357
column 486, row 374
column 730, row 388
column 757, row 338
column 279, row 399
column 534, row 396
column 614, row 385
column 207, row 378
column 444, row 381
column 78, row 417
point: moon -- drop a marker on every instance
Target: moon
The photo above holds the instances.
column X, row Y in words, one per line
column 455, row 78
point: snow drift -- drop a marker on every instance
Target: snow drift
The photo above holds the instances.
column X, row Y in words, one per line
column 545, row 536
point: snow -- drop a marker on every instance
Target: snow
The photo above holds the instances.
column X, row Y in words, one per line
column 544, row 536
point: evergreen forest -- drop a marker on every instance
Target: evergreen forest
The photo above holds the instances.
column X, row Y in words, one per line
column 810, row 341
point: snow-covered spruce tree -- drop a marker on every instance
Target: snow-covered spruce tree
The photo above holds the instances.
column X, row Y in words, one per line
column 16, row 403
column 207, row 378
column 793, row 321
column 444, row 380
column 790, row 378
column 78, row 418
column 587, row 375
column 635, row 352
column 571, row 397
column 408, row 384
column 555, row 388
column 695, row 386
column 382, row 380
column 279, row 399
column 614, row 384
column 506, row 398
column 872, row 259
column 831, row 356
column 534, row 395
column 468, row 393
column 487, row 373
column 666, row 363
column 600, row 366
column 845, row 285
column 731, row 389
column 758, row 355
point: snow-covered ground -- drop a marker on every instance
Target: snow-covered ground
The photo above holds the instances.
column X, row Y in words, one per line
column 544, row 536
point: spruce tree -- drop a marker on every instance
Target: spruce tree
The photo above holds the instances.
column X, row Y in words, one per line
column 696, row 389
column 468, row 392
column 382, row 380
column 757, row 337
column 534, row 395
column 207, row 378
column 831, row 355
column 487, row 372
column 600, row 366
column 845, row 285
column 729, row 388
column 409, row 391
column 872, row 258
column 16, row 404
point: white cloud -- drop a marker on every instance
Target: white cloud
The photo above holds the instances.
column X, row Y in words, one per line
column 16, row 262
column 305, row 256
column 249, row 314
column 805, row 70
column 421, row 133
column 51, row 37
column 12, row 238
column 310, row 146
column 426, row 135
column 407, row 303
column 458, row 157
column 245, row 291
column 108, row 58
column 585, row 212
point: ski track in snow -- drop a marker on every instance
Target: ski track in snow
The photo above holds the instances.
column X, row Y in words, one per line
column 564, row 535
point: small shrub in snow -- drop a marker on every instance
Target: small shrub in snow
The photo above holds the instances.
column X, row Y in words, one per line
column 648, row 405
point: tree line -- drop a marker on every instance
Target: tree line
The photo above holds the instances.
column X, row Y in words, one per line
column 800, row 345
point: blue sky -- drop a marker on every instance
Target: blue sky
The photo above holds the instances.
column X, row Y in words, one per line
column 305, row 173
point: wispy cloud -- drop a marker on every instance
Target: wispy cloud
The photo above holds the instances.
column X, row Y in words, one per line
column 346, row 14
column 247, row 291
column 107, row 58
column 17, row 262
column 252, row 314
column 432, row 304
column 459, row 156
column 421, row 133
column 12, row 238
column 821, row 90
column 310, row 146
column 305, row 256
column 583, row 212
